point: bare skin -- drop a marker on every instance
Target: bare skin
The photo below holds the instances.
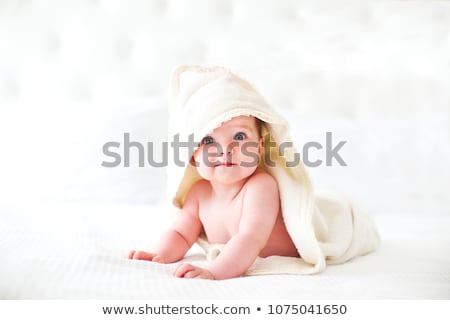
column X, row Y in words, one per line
column 236, row 204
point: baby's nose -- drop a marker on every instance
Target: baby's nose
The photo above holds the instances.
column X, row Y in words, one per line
column 231, row 148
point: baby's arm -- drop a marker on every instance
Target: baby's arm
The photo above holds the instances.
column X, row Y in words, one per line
column 176, row 241
column 259, row 213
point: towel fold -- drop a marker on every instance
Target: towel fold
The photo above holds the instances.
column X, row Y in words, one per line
column 324, row 229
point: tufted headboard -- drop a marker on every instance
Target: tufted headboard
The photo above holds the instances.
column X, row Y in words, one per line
column 76, row 74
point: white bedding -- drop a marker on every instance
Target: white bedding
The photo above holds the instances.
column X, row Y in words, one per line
column 77, row 251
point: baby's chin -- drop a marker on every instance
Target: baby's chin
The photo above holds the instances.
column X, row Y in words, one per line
column 228, row 173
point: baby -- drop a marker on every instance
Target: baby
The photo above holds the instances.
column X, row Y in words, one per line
column 236, row 204
column 239, row 189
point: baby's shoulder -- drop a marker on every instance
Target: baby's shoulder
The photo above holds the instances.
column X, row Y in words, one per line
column 261, row 181
column 261, row 192
column 199, row 188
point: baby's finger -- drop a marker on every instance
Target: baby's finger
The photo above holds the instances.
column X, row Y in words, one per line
column 158, row 259
column 131, row 254
column 142, row 255
column 192, row 274
column 182, row 269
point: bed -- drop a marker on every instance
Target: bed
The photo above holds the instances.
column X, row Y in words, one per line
column 78, row 252
column 375, row 75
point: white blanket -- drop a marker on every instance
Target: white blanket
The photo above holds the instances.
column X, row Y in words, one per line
column 74, row 251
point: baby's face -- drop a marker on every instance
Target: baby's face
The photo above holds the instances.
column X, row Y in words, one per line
column 231, row 152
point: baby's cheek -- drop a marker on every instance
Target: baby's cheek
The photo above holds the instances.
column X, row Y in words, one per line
column 205, row 160
column 200, row 157
column 203, row 169
column 195, row 156
column 250, row 154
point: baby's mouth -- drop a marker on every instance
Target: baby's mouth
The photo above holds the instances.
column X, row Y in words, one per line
column 225, row 164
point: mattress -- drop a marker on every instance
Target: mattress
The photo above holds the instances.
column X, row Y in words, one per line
column 77, row 251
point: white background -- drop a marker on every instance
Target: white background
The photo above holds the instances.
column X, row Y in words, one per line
column 77, row 74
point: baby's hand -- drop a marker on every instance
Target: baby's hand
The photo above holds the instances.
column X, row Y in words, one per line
column 142, row 255
column 186, row 270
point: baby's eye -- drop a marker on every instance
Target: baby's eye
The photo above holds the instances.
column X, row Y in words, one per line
column 207, row 140
column 240, row 136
